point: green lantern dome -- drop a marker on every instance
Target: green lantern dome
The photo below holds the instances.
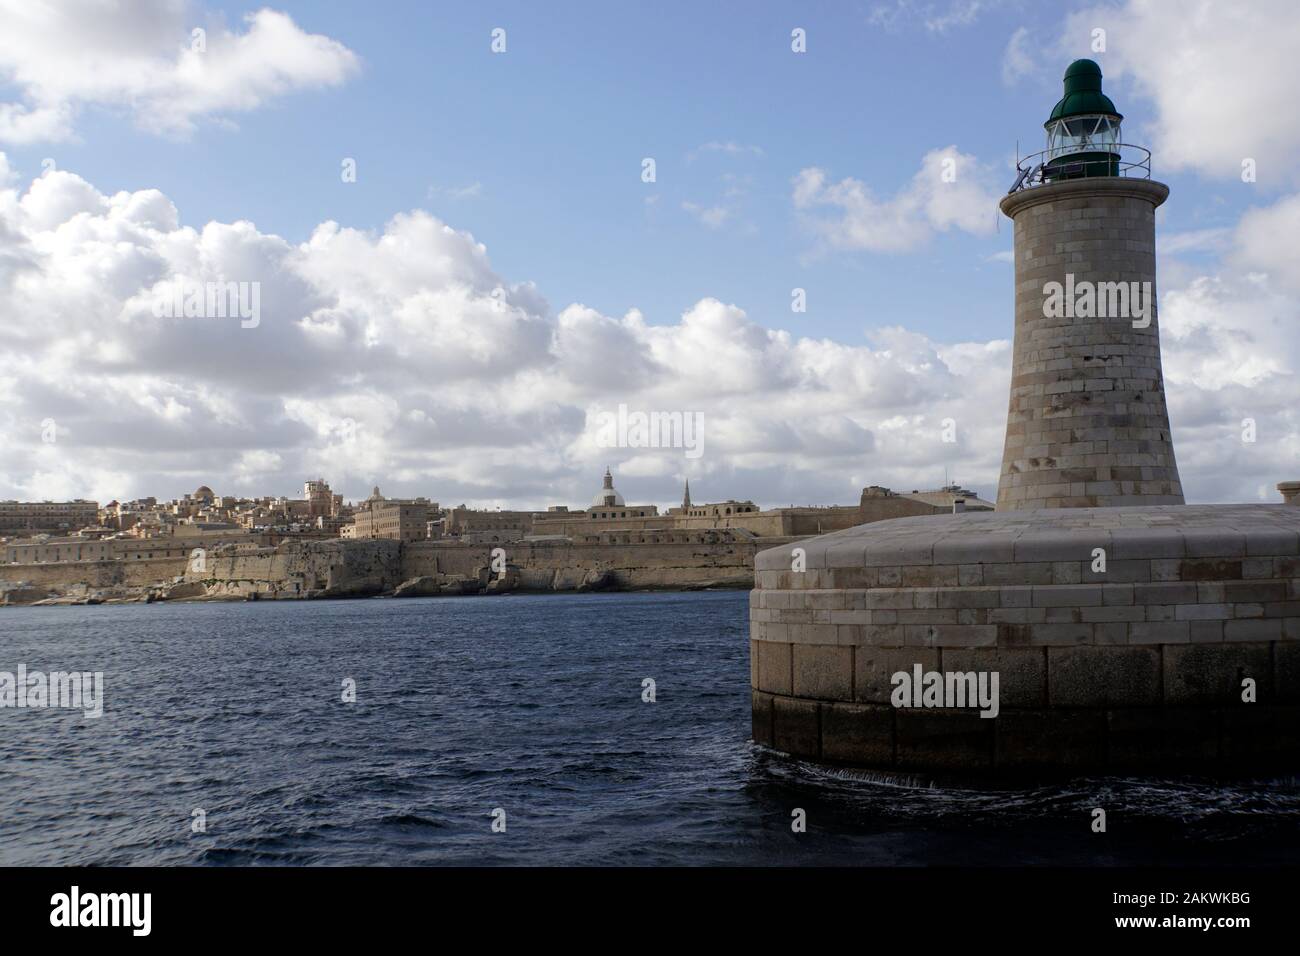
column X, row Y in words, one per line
column 1083, row 95
column 1084, row 137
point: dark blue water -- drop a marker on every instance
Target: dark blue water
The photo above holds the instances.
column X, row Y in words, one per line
column 529, row 704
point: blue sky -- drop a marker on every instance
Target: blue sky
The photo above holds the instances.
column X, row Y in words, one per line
column 775, row 171
column 547, row 140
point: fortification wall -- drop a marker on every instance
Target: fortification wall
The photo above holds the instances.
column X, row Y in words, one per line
column 97, row 574
column 761, row 523
column 338, row 568
column 562, row 565
column 880, row 508
column 299, row 569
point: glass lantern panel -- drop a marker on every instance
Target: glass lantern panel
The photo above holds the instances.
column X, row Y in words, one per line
column 1081, row 133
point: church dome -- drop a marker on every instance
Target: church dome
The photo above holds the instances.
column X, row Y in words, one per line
column 607, row 497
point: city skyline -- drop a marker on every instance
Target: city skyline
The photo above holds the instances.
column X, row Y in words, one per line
column 459, row 316
column 354, row 499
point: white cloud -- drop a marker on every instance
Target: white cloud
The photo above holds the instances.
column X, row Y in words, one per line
column 471, row 191
column 712, row 216
column 958, row 14
column 1018, row 59
column 727, row 148
column 402, row 358
column 728, row 209
column 950, row 190
column 139, row 57
column 1193, row 240
column 935, row 17
column 255, row 465
column 1267, row 240
column 1231, row 354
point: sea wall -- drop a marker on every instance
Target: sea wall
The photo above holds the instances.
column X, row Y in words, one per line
column 715, row 560
column 338, row 568
column 1122, row 639
column 300, row 569
column 98, row 574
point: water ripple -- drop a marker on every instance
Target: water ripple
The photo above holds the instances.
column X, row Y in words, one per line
column 531, row 706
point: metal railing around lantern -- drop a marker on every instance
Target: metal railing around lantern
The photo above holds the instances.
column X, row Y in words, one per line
column 1123, row 160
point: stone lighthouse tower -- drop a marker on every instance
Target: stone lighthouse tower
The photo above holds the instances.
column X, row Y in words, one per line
column 1138, row 665
column 1087, row 423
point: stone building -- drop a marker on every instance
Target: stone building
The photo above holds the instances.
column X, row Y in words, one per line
column 876, row 504
column 50, row 517
column 394, row 519
column 609, row 504
column 321, row 502
column 466, row 523
column 713, row 510
column 608, row 511
column 48, row 550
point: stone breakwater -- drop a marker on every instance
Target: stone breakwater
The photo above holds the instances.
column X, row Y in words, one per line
column 338, row 568
column 1124, row 638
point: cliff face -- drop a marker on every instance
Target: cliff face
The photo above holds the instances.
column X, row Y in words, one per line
column 322, row 569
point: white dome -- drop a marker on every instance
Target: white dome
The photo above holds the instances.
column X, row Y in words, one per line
column 602, row 497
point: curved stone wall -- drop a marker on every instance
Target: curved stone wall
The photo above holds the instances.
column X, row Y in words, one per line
column 1087, row 423
column 1139, row 665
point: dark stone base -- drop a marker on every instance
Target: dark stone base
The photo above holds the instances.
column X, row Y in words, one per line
column 1246, row 738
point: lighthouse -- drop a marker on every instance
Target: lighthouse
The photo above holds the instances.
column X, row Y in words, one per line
column 1087, row 423
column 1125, row 624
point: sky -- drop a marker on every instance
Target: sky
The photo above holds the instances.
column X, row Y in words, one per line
column 457, row 318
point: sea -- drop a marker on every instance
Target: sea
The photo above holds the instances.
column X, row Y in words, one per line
column 533, row 730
